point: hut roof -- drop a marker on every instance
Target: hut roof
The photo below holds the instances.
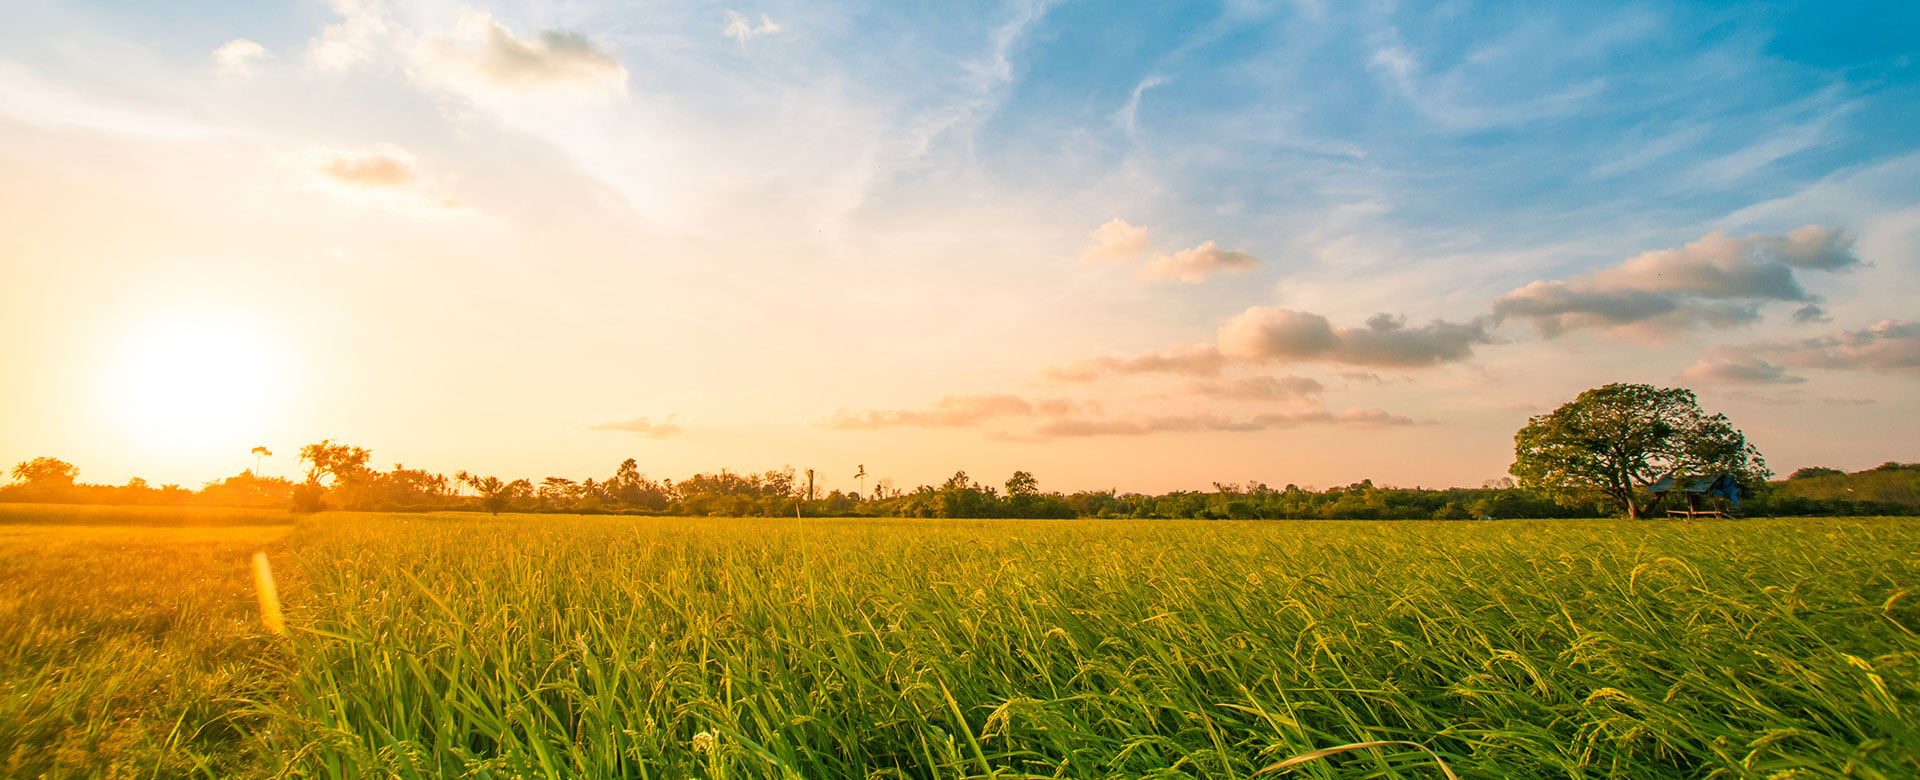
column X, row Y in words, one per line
column 1723, row 484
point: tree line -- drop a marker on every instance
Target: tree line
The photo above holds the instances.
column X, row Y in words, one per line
column 340, row 477
column 1607, row 451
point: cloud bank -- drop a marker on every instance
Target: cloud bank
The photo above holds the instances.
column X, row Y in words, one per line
column 1891, row 346
column 1269, row 334
column 1715, row 282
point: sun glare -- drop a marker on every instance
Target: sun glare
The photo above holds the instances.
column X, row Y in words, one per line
column 194, row 382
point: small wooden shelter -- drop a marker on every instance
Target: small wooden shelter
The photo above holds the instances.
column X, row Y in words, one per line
column 1716, row 495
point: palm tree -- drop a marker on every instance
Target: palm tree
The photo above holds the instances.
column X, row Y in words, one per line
column 862, row 476
column 260, row 453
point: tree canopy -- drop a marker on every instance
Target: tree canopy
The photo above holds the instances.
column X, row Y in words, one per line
column 1616, row 440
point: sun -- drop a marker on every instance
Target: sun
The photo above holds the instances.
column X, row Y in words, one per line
column 196, row 381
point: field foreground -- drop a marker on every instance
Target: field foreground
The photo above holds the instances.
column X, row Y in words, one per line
column 556, row 646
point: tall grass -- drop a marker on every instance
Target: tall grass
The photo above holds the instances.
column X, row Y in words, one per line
column 131, row 652
column 555, row 647
column 168, row 516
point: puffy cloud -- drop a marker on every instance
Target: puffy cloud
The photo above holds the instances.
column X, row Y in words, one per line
column 363, row 27
column 640, row 426
column 1119, row 242
column 740, row 28
column 1263, row 334
column 482, row 57
column 1888, row 347
column 1736, row 369
column 234, row 60
column 954, row 411
column 1114, row 242
column 1555, row 307
column 1197, row 360
column 1717, row 281
column 383, row 174
column 1074, row 427
column 1193, row 266
column 1814, row 246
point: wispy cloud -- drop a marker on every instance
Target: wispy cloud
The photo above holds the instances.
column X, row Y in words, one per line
column 1193, row 266
column 1736, row 369
column 741, row 28
column 1143, row 425
column 1196, row 360
column 358, row 37
column 1890, row 346
column 383, row 175
column 640, row 426
column 1010, row 416
column 1128, row 116
column 954, row 411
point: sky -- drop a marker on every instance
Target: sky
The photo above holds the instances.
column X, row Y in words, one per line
column 1134, row 246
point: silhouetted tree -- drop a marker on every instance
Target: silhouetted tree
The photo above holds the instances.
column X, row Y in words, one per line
column 46, row 473
column 496, row 494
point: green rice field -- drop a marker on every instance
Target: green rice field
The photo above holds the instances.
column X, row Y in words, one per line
column 132, row 645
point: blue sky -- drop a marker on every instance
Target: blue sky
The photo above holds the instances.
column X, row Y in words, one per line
column 1341, row 240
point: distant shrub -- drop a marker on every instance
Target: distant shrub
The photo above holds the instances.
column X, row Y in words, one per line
column 309, row 498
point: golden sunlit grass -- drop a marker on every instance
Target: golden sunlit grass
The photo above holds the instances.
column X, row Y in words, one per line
column 555, row 646
column 129, row 651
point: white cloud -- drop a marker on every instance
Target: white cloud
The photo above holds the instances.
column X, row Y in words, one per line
column 1128, row 116
column 1193, row 266
column 358, row 37
column 235, row 59
column 740, row 28
column 481, row 58
column 1114, row 242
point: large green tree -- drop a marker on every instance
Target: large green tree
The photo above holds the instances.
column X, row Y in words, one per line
column 1614, row 441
